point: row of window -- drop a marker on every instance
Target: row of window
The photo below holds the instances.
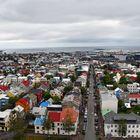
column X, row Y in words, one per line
column 127, row 131
column 129, row 126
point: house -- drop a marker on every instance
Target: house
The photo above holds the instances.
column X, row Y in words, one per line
column 134, row 99
column 81, row 81
column 39, row 111
column 56, row 92
column 20, row 110
column 133, row 88
column 72, row 99
column 38, row 93
column 25, row 85
column 39, row 124
column 118, row 92
column 4, row 88
column 33, row 99
column 112, row 121
column 58, row 118
column 3, row 100
column 4, row 120
column 24, row 103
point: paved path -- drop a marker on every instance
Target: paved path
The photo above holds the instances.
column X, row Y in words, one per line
column 90, row 131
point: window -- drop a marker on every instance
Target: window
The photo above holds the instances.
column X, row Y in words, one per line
column 137, row 131
column 129, row 126
column 115, row 125
column 37, row 127
column 111, row 130
column 115, row 130
column 133, row 131
column 111, row 125
column 133, row 126
column 128, row 131
column 57, row 123
column 137, row 126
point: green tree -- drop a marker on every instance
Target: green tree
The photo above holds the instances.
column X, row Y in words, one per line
column 68, row 88
column 46, row 95
column 83, row 90
column 48, row 125
column 122, row 129
column 56, row 99
column 17, row 125
column 73, row 78
column 123, row 80
column 68, row 125
column 121, row 107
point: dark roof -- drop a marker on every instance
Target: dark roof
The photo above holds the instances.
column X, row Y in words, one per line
column 112, row 118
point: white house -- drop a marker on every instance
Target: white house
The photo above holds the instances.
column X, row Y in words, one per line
column 134, row 99
column 133, row 88
column 112, row 122
column 4, row 120
column 58, row 118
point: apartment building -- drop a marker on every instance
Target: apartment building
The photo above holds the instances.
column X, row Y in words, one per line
column 112, row 124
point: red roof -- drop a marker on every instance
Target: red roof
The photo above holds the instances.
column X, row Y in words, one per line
column 23, row 101
column 26, row 83
column 69, row 112
column 54, row 116
column 116, row 71
column 4, row 88
column 134, row 78
column 134, row 96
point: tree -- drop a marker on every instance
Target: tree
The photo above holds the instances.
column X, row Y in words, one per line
column 56, row 99
column 68, row 125
column 123, row 80
column 121, row 107
column 122, row 129
column 48, row 125
column 73, row 78
column 83, row 90
column 68, row 88
column 30, row 116
column 16, row 125
column 46, row 95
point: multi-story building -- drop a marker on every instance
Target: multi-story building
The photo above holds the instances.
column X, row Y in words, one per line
column 58, row 119
column 113, row 124
column 4, row 120
column 134, row 99
column 133, row 88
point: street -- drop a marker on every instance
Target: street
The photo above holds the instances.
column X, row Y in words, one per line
column 90, row 130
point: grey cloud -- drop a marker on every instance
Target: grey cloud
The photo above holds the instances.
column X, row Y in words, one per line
column 70, row 21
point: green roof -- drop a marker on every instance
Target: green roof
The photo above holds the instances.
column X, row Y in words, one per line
column 105, row 111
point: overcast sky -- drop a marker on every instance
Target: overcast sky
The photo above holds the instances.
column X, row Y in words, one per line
column 48, row 23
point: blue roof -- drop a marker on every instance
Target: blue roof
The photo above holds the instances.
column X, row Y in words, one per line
column 39, row 121
column 44, row 104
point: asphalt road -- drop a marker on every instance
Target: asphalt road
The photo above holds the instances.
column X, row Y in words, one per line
column 90, row 130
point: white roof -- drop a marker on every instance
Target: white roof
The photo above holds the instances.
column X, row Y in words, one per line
column 19, row 108
column 3, row 96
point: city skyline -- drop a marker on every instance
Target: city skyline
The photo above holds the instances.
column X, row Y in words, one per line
column 45, row 23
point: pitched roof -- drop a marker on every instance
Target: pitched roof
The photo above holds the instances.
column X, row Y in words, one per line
column 26, row 83
column 39, row 121
column 54, row 116
column 23, row 101
column 69, row 112
column 134, row 96
column 3, row 87
column 44, row 104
